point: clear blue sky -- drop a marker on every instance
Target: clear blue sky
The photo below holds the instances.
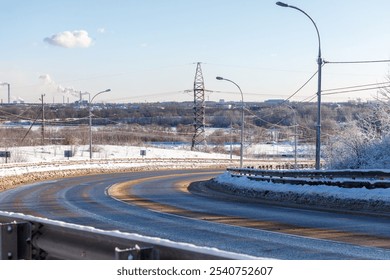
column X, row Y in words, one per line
column 145, row 50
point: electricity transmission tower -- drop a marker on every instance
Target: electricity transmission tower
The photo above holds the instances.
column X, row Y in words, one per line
column 199, row 138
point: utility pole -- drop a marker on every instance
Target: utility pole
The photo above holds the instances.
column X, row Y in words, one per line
column 199, row 137
column 231, row 140
column 43, row 121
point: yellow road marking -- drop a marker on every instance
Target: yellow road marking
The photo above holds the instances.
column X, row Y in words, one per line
column 122, row 191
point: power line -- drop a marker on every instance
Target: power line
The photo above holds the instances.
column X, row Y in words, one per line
column 309, row 98
column 292, row 95
column 354, row 90
column 356, row 62
column 255, row 68
column 349, row 89
column 267, row 122
column 20, row 116
column 366, row 85
column 147, row 95
column 298, row 90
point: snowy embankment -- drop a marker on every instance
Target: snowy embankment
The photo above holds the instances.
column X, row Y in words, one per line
column 30, row 164
column 361, row 199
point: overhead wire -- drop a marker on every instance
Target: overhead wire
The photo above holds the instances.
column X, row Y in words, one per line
column 19, row 116
column 309, row 98
column 282, row 103
column 325, row 92
column 298, row 90
column 355, row 90
column 148, row 95
column 357, row 61
column 349, row 87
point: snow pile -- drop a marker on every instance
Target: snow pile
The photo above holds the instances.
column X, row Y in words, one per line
column 318, row 196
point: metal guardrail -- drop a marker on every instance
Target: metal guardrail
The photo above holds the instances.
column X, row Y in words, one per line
column 369, row 179
column 25, row 237
column 266, row 162
column 113, row 161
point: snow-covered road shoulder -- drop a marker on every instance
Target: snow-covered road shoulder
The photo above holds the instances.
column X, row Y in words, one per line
column 18, row 175
column 361, row 199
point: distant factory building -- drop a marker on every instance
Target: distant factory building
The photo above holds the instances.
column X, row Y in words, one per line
column 275, row 101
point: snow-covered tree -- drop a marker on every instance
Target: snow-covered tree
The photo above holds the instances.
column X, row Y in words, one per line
column 363, row 143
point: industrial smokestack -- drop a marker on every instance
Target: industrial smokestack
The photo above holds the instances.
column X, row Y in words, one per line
column 9, row 94
column 9, row 91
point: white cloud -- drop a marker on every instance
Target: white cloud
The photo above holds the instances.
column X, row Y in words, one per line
column 70, row 39
column 101, row 30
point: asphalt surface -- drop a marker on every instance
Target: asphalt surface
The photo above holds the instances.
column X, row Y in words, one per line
column 157, row 204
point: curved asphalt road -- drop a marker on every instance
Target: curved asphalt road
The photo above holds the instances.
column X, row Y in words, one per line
column 157, row 204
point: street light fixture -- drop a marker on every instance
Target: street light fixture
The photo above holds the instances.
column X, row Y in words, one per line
column 319, row 62
column 90, row 119
column 242, row 118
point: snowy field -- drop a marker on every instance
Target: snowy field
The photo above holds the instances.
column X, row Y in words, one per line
column 163, row 150
column 52, row 158
column 56, row 153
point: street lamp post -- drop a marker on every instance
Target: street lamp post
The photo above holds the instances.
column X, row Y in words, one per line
column 242, row 119
column 90, row 119
column 319, row 62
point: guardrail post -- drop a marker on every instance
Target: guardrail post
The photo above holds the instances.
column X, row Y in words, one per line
column 136, row 253
column 15, row 241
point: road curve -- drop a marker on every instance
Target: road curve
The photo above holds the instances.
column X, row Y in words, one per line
column 158, row 204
